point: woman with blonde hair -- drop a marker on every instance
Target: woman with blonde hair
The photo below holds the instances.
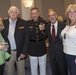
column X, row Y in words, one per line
column 69, row 38
column 4, row 55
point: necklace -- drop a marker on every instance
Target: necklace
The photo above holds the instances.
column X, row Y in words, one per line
column 67, row 31
column 69, row 28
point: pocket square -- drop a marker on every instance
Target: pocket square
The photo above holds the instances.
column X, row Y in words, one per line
column 30, row 26
column 22, row 27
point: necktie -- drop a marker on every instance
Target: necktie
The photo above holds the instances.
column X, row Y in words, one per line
column 53, row 32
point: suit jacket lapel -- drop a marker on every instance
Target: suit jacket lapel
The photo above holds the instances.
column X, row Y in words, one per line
column 58, row 30
column 17, row 24
column 49, row 31
column 7, row 27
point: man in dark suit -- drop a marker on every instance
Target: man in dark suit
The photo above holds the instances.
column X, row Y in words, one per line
column 37, row 46
column 15, row 29
column 57, row 58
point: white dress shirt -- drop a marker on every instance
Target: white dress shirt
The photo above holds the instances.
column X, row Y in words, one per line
column 55, row 26
column 11, row 32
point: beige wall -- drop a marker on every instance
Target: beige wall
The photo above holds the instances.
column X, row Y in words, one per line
column 26, row 12
column 43, row 5
column 67, row 2
column 38, row 4
column 4, row 6
column 16, row 3
column 57, row 5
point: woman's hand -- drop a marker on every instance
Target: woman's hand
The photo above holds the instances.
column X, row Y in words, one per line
column 2, row 47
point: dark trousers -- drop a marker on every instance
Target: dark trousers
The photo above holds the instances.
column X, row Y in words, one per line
column 71, row 62
column 59, row 67
column 2, row 69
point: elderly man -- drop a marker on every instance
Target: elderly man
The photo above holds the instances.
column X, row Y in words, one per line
column 17, row 32
column 57, row 58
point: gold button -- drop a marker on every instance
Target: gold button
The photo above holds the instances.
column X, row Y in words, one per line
column 35, row 23
column 36, row 36
column 37, row 31
column 36, row 39
column 36, row 28
column 42, row 32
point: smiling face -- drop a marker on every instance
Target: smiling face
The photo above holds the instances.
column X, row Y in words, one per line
column 13, row 13
column 52, row 16
column 34, row 14
column 72, row 15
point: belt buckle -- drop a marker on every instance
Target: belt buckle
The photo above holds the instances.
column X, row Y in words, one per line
column 14, row 50
column 37, row 40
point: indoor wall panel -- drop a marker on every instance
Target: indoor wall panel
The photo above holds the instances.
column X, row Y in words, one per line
column 4, row 6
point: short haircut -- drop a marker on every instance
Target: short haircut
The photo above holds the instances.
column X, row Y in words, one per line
column 13, row 7
column 34, row 9
column 52, row 10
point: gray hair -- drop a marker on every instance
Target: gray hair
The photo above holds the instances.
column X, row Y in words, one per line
column 13, row 7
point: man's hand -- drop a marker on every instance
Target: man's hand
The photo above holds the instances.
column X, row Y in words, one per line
column 22, row 56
